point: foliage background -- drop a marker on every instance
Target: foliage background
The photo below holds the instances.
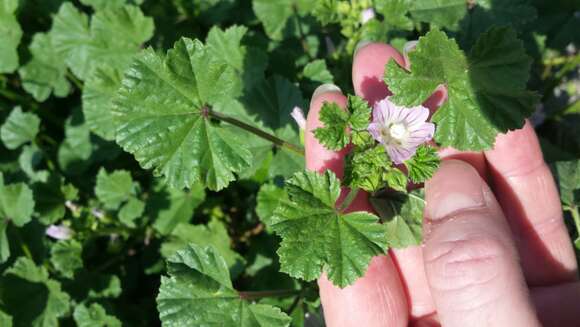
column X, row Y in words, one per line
column 60, row 166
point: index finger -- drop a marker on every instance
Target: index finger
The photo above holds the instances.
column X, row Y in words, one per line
column 377, row 298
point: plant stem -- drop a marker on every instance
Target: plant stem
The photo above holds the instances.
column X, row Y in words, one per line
column 75, row 80
column 349, row 198
column 256, row 131
column 295, row 303
column 261, row 294
column 23, row 246
column 561, row 60
column 411, row 195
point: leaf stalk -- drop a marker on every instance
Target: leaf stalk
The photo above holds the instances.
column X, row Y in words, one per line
column 256, row 131
column 262, row 294
column 353, row 192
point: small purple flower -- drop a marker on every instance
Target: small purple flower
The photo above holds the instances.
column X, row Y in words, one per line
column 367, row 15
column 298, row 116
column 401, row 130
column 59, row 232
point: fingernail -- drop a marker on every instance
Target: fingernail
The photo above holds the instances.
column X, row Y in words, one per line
column 325, row 88
column 361, row 44
column 455, row 187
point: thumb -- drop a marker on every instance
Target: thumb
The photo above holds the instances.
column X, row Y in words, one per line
column 469, row 256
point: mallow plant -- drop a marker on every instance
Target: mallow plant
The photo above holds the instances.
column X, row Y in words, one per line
column 152, row 160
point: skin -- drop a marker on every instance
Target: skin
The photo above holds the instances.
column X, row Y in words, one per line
column 496, row 251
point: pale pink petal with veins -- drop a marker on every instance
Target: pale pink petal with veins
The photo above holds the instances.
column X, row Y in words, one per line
column 401, row 130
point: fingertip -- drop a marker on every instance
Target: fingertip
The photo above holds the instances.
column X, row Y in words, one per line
column 368, row 69
column 318, row 158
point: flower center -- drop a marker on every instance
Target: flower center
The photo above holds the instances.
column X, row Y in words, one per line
column 398, row 131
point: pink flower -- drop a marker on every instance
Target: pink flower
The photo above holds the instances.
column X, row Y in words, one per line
column 367, row 15
column 401, row 130
column 59, row 232
column 298, row 116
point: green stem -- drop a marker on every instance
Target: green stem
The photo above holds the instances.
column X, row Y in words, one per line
column 15, row 97
column 12, row 96
column 256, row 131
column 411, row 195
column 349, row 198
column 23, row 246
column 263, row 294
column 74, row 80
column 561, row 60
column 296, row 301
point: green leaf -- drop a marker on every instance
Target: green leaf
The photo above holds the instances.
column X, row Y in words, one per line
column 270, row 103
column 170, row 207
column 326, row 12
column 30, row 158
column 441, row 13
column 130, row 211
column 486, row 91
column 50, row 199
column 226, row 45
column 113, row 189
column 395, row 13
column 76, row 149
column 10, row 35
column 488, row 13
column 423, row 164
column 94, row 316
column 316, row 237
column 98, row 93
column 334, row 134
column 198, row 292
column 172, row 133
column 31, row 297
column 16, row 202
column 5, row 320
column 367, row 169
column 213, row 234
column 396, row 180
column 66, row 256
column 267, row 200
column 402, row 216
column 19, row 128
column 16, row 206
column 102, row 4
column 46, row 72
column 360, row 113
column 318, row 72
column 276, row 15
column 567, row 174
column 112, row 39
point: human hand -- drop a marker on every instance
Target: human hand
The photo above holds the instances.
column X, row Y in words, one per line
column 496, row 251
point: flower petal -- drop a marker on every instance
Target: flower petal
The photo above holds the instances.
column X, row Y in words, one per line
column 375, row 130
column 417, row 116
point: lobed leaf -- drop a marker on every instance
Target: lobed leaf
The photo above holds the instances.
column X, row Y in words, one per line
column 161, row 116
column 316, row 237
column 486, row 90
column 198, row 292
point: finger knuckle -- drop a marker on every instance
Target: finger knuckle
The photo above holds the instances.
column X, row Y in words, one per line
column 467, row 264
